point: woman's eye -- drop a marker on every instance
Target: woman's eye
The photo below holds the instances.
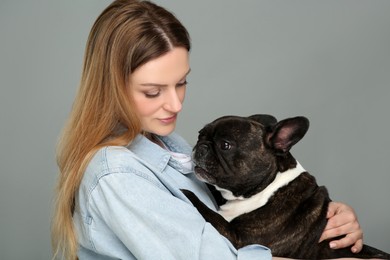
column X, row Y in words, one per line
column 152, row 94
column 181, row 84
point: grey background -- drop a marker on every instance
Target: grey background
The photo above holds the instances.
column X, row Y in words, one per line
column 327, row 60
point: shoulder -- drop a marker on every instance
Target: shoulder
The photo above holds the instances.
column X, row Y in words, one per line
column 141, row 158
column 110, row 159
column 114, row 161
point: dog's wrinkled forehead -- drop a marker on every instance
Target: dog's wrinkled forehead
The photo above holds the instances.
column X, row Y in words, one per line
column 231, row 127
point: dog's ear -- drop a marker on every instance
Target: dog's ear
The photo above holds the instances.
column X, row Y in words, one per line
column 265, row 120
column 286, row 133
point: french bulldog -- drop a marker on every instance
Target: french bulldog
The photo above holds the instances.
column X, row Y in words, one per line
column 267, row 196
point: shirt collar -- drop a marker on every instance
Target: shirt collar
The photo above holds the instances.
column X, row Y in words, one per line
column 158, row 156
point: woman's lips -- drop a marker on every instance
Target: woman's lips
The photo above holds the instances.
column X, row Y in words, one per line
column 168, row 120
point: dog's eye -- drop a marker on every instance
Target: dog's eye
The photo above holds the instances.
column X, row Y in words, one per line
column 225, row 145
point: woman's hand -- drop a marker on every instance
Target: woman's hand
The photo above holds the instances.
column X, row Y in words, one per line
column 342, row 220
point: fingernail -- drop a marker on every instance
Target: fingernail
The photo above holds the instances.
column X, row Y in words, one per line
column 332, row 245
column 354, row 250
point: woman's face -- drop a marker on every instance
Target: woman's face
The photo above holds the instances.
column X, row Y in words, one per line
column 158, row 88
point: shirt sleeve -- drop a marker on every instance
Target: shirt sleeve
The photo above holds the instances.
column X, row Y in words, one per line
column 151, row 223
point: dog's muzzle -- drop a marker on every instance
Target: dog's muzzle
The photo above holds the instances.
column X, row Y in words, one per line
column 202, row 150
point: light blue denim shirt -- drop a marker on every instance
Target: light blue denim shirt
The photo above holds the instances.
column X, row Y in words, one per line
column 129, row 206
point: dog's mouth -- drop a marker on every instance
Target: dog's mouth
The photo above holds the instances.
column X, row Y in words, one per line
column 203, row 175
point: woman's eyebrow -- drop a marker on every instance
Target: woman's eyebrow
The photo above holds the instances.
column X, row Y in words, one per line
column 153, row 85
column 162, row 85
column 185, row 75
column 188, row 72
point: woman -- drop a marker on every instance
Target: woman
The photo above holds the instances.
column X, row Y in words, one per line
column 121, row 165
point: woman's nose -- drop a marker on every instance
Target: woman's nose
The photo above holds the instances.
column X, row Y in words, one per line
column 174, row 99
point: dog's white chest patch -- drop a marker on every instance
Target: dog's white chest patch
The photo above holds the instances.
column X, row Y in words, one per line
column 235, row 207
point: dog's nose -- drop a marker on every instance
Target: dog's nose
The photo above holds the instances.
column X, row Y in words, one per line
column 202, row 150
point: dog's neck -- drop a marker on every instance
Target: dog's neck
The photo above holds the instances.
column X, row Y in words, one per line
column 236, row 206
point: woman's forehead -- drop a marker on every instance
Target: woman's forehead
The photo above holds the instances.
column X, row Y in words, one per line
column 169, row 68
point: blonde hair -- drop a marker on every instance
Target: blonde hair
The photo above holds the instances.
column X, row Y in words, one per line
column 126, row 35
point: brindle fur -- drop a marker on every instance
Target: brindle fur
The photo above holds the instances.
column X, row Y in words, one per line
column 293, row 219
